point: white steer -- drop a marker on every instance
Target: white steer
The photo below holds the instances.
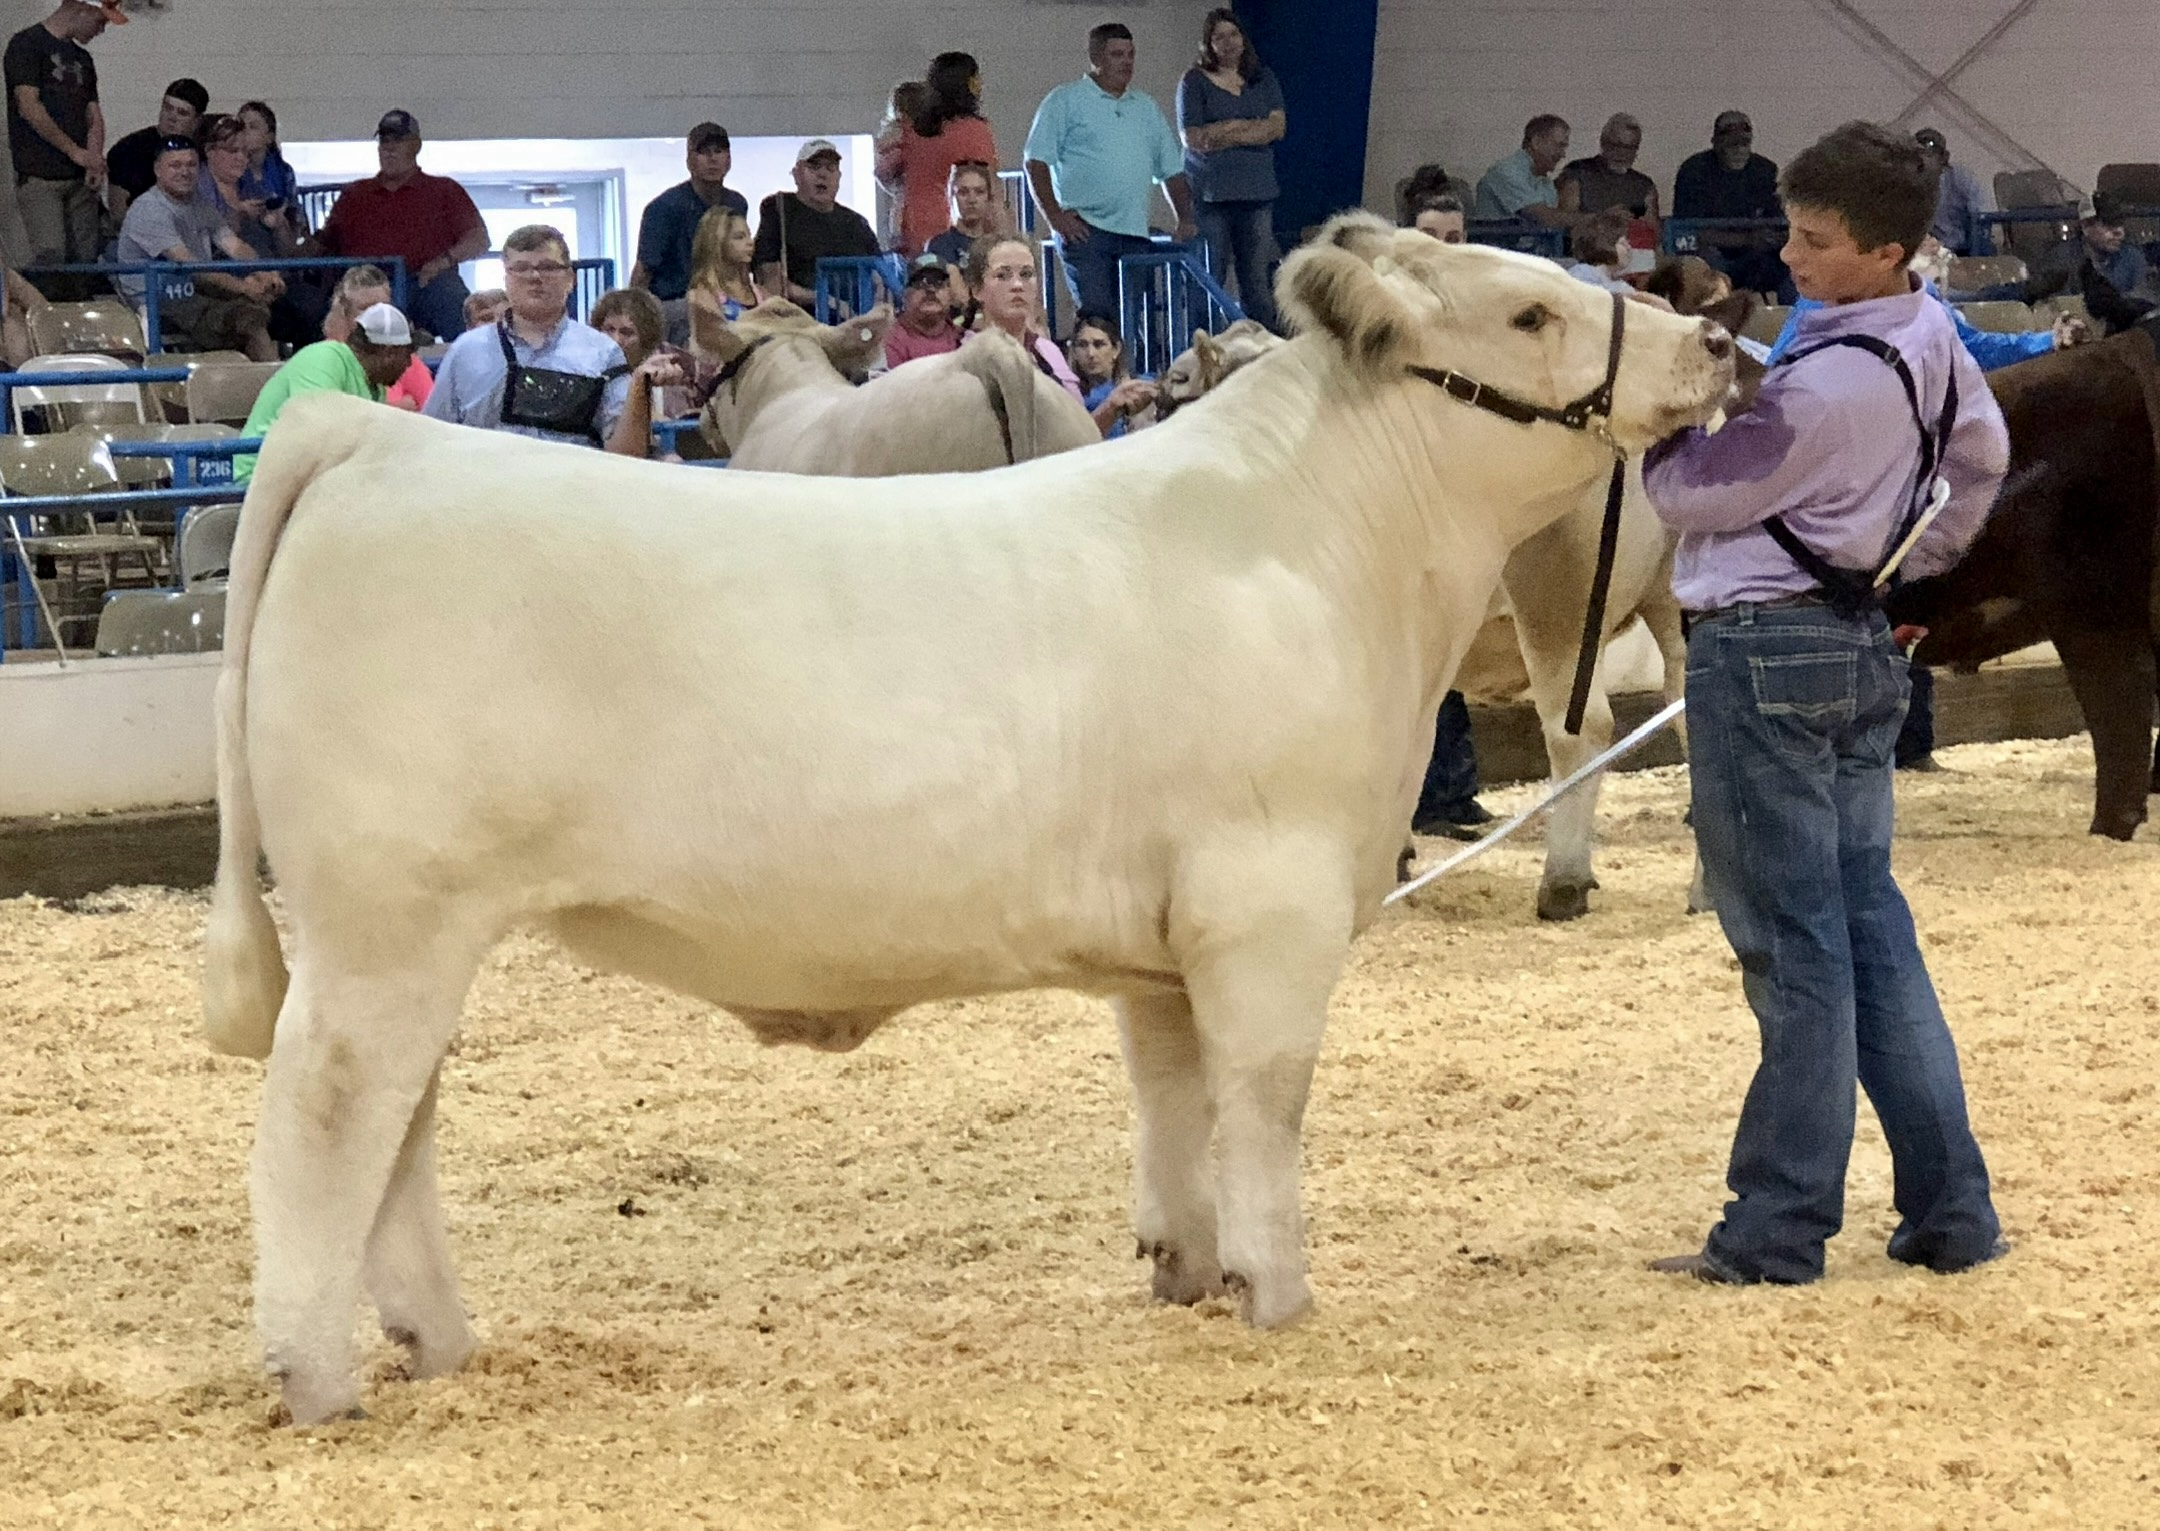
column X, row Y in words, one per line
column 1144, row 723
column 785, row 402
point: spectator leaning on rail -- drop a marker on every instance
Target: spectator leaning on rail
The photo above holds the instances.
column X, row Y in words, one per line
column 1521, row 186
column 359, row 289
column 56, row 130
column 925, row 325
column 797, row 229
column 366, row 362
column 404, row 211
column 1730, row 180
column 1960, row 199
column 1785, row 517
column 668, row 231
column 131, row 164
column 541, row 373
column 1096, row 151
column 1609, row 179
column 171, row 222
column 947, row 132
column 1230, row 110
column 1111, row 394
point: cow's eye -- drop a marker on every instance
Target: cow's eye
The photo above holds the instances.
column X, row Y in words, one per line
column 1530, row 320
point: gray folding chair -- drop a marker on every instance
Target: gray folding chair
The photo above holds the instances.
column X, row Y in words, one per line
column 80, row 469
column 162, row 622
column 226, row 391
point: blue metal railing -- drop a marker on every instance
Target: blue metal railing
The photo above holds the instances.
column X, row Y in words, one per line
column 1518, row 234
column 2002, row 226
column 1683, row 236
column 859, row 281
column 1163, row 296
column 174, row 281
column 1020, row 197
column 10, row 381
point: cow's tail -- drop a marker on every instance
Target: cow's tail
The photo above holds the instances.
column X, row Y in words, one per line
column 1007, row 374
column 244, row 971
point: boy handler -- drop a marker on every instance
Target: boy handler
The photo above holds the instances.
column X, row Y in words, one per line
column 1795, row 689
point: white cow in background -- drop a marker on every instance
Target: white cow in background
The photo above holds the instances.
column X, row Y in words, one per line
column 786, row 402
column 1545, row 592
column 1141, row 723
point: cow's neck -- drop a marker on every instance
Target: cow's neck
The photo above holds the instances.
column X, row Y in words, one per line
column 1435, row 494
column 786, row 367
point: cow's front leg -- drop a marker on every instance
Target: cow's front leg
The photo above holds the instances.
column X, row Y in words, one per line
column 1173, row 1185
column 2112, row 676
column 409, row 1271
column 1259, row 977
column 351, row 1064
column 1571, row 827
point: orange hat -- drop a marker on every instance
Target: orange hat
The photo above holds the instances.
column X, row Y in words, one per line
column 110, row 9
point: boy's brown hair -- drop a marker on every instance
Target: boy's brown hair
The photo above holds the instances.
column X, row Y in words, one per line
column 1875, row 179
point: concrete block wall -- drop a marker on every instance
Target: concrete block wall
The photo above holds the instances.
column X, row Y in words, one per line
column 2071, row 80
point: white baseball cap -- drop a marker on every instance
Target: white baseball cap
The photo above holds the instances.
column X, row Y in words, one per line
column 816, row 148
column 384, row 325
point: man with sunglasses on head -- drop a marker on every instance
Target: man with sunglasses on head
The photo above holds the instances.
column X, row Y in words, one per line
column 539, row 372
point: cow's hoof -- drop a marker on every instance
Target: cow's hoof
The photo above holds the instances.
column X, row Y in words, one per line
column 2116, row 826
column 1269, row 1310
column 305, row 1409
column 1180, row 1279
column 1563, row 901
column 424, row 1358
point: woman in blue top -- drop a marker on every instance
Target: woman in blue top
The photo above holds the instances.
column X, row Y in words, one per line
column 268, row 179
column 1230, row 113
column 1098, row 360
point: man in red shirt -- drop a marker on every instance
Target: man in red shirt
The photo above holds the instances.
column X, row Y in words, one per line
column 404, row 211
column 925, row 326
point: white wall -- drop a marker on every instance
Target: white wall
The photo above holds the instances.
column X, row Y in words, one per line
column 479, row 69
column 2072, row 80
column 101, row 735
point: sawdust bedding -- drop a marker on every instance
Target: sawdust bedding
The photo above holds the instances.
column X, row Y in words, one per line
column 726, row 1286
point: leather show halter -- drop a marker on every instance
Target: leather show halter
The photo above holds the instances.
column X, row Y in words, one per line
column 1590, row 413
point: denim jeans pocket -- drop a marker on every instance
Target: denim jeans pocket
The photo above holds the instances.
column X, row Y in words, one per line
column 1807, row 697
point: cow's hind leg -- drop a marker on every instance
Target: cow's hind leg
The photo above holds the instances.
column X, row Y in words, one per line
column 357, row 1043
column 1173, row 1184
column 1260, row 957
column 409, row 1272
column 2112, row 675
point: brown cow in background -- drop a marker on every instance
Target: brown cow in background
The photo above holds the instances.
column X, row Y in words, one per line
column 2068, row 555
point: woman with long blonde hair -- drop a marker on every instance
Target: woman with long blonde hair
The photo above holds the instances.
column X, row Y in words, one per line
column 721, row 285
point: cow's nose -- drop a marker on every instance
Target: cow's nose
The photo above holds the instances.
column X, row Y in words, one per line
column 1716, row 341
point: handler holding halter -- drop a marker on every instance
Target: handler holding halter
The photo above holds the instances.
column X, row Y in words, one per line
column 1790, row 519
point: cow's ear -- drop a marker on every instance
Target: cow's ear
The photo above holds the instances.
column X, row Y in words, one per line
column 853, row 346
column 1209, row 353
column 1330, row 285
column 712, row 338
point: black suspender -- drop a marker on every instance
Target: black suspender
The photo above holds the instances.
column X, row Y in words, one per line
column 1852, row 591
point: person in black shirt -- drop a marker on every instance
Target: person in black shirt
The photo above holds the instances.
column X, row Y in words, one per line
column 131, row 164
column 796, row 228
column 56, row 131
column 1730, row 180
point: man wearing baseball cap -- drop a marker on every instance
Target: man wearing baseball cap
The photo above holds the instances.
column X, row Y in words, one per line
column 1960, row 199
column 363, row 364
column 669, row 227
column 56, row 131
column 925, row 326
column 798, row 228
column 403, row 211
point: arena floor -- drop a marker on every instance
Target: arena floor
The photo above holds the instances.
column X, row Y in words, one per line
column 725, row 1286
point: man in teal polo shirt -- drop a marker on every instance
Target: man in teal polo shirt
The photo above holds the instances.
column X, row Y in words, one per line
column 1094, row 156
column 363, row 364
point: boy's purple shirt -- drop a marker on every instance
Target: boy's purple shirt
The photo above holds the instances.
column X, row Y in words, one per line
column 1830, row 446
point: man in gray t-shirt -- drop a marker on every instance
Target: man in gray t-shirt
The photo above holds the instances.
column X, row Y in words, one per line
column 210, row 310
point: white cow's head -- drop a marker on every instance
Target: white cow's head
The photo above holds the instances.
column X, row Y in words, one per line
column 774, row 349
column 1394, row 299
column 1210, row 358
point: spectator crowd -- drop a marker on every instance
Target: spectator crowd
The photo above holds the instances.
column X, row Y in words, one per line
column 1104, row 164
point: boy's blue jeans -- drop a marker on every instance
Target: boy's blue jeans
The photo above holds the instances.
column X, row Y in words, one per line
column 1792, row 715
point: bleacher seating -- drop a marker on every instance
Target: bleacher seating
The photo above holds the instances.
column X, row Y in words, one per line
column 77, row 403
column 1970, row 273
column 104, row 325
column 79, row 468
column 2003, row 318
column 225, row 391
